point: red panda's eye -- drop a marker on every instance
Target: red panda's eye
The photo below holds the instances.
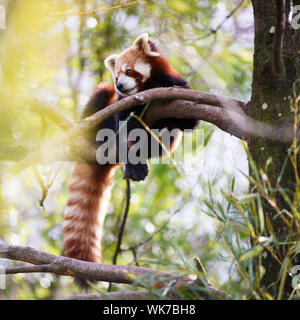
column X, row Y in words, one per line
column 128, row 71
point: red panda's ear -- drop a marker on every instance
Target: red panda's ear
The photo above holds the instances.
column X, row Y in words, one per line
column 110, row 62
column 142, row 43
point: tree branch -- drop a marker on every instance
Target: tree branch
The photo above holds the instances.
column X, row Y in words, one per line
column 123, row 5
column 168, row 284
column 122, row 295
column 49, row 152
column 195, row 288
column 122, row 228
column 229, row 114
column 53, row 113
column 124, row 219
column 46, row 262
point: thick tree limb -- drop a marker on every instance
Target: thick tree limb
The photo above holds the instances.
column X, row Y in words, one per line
column 53, row 113
column 229, row 118
column 229, row 114
column 50, row 150
column 14, row 152
column 167, row 283
column 46, row 262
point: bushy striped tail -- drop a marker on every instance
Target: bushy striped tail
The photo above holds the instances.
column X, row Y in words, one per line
column 89, row 191
column 88, row 197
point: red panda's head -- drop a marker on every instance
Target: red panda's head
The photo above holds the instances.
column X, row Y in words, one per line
column 132, row 68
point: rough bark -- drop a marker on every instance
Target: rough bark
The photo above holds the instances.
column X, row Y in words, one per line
column 170, row 284
column 276, row 71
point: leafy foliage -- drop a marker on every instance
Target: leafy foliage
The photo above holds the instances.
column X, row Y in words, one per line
column 52, row 53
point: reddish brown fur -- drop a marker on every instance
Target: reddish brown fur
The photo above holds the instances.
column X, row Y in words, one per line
column 109, row 89
column 89, row 192
column 159, row 64
column 103, row 95
column 86, row 208
column 90, row 184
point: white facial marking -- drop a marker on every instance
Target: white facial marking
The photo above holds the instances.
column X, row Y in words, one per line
column 129, row 85
column 123, row 68
column 143, row 68
column 128, row 82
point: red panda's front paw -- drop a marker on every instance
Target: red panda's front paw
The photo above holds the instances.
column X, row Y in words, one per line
column 136, row 172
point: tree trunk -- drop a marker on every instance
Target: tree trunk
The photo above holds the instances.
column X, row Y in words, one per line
column 276, row 73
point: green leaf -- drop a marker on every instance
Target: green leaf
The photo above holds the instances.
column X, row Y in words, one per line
column 251, row 253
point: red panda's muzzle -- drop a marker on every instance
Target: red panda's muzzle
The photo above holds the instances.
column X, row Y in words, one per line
column 126, row 85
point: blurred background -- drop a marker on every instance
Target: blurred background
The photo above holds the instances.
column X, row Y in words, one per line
column 52, row 52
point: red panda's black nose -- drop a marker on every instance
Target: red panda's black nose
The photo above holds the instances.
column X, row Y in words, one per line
column 120, row 86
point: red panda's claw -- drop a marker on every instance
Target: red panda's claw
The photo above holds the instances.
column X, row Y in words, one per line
column 136, row 172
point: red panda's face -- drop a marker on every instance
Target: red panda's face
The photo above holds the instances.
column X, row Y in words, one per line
column 132, row 67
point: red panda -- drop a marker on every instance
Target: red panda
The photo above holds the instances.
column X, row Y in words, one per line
column 140, row 67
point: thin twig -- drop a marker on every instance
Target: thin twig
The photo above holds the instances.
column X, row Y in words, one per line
column 140, row 244
column 123, row 5
column 230, row 14
column 220, row 25
column 122, row 228
column 177, row 16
